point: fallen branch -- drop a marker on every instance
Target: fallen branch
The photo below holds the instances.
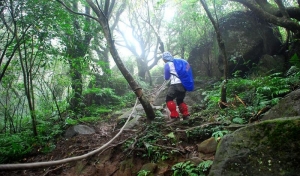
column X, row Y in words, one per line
column 131, row 148
column 258, row 114
column 237, row 97
column 53, row 169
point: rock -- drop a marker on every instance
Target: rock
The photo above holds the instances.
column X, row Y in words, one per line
column 125, row 164
column 128, row 167
column 208, row 146
column 126, row 114
column 269, row 147
column 152, row 167
column 287, row 107
column 133, row 122
column 205, row 157
column 134, row 114
column 246, row 38
column 78, row 129
column 233, row 127
column 269, row 64
column 196, row 160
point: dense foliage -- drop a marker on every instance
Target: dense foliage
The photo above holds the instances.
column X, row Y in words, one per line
column 51, row 77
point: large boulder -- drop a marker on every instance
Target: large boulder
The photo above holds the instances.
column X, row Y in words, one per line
column 246, row 39
column 270, row 147
column 269, row 64
column 287, row 107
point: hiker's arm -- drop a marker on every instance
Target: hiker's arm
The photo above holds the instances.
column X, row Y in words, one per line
column 167, row 72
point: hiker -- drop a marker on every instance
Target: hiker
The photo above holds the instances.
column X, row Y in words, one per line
column 179, row 72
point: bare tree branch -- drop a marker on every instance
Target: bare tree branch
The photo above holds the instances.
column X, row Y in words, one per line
column 269, row 15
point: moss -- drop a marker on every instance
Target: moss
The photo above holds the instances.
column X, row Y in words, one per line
column 279, row 144
column 281, row 132
column 270, row 147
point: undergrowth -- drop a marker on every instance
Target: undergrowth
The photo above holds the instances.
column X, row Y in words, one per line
column 152, row 142
column 245, row 97
column 189, row 169
column 16, row 145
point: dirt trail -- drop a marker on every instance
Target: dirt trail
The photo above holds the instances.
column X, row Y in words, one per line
column 114, row 159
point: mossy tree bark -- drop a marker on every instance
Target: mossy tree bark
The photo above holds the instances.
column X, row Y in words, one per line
column 223, row 51
column 76, row 50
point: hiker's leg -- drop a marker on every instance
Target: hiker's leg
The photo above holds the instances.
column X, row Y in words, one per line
column 171, row 95
column 183, row 108
column 181, row 105
column 172, row 108
column 180, row 94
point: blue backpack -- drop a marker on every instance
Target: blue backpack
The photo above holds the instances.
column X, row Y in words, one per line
column 184, row 72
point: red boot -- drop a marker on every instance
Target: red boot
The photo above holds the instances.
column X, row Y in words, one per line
column 184, row 111
column 172, row 107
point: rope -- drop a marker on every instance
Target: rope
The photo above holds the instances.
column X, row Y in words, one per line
column 162, row 86
column 66, row 160
column 157, row 92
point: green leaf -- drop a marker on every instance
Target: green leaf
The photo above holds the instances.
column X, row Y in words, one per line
column 238, row 120
column 171, row 135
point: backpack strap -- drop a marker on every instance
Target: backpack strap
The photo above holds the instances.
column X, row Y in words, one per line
column 174, row 75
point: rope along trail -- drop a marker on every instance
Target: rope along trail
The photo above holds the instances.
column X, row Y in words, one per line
column 66, row 160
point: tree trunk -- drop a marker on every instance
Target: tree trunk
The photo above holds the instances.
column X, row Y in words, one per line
column 26, row 66
column 76, row 84
column 102, row 20
column 75, row 52
column 268, row 13
column 142, row 69
column 223, row 51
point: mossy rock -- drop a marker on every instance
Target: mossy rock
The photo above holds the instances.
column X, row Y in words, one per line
column 270, row 147
column 287, row 107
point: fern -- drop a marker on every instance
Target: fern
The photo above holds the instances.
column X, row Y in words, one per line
column 219, row 134
column 293, row 71
column 143, row 173
column 205, row 165
column 14, row 146
column 185, row 168
column 273, row 86
column 238, row 120
column 295, row 60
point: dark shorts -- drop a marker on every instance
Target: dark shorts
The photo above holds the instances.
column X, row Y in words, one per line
column 176, row 91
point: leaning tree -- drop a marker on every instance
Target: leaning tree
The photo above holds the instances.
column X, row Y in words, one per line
column 100, row 16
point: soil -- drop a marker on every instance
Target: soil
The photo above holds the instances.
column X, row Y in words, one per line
column 114, row 159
